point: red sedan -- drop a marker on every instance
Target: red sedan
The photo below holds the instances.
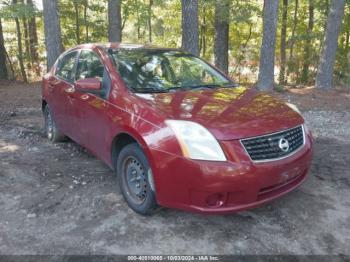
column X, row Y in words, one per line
column 178, row 132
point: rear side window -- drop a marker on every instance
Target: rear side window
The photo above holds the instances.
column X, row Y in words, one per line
column 66, row 66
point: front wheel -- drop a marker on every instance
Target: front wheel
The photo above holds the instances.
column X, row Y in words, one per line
column 51, row 130
column 134, row 179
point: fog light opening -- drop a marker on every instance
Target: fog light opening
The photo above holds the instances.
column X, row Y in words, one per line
column 215, row 200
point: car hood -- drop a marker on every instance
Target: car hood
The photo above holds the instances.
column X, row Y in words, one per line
column 229, row 113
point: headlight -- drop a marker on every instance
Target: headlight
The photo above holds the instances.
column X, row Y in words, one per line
column 196, row 141
column 294, row 107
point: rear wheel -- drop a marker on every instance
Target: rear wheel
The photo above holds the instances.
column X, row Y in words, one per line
column 51, row 130
column 134, row 179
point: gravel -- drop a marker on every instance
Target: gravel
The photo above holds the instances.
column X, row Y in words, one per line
column 328, row 124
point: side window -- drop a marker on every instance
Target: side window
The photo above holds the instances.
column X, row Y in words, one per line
column 65, row 68
column 89, row 66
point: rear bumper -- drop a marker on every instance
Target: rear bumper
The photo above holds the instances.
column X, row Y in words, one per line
column 226, row 187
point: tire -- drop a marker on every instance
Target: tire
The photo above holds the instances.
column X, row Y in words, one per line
column 132, row 171
column 51, row 130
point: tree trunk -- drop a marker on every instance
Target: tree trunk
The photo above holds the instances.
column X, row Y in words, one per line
column 53, row 39
column 150, row 21
column 324, row 78
column 33, row 40
column 20, row 48
column 190, row 34
column 267, row 53
column 283, row 42
column 325, row 14
column 114, row 21
column 77, row 23
column 138, row 23
column 282, row 80
column 292, row 39
column 307, row 48
column 3, row 68
column 203, row 41
column 347, row 37
column 222, row 8
column 86, row 4
column 26, row 39
column 11, row 66
column 20, row 51
column 295, row 24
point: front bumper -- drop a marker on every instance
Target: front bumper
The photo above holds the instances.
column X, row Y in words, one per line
column 226, row 187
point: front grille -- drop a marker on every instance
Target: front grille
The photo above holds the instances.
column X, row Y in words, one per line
column 274, row 146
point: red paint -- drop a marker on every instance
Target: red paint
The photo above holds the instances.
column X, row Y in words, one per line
column 202, row 186
column 88, row 84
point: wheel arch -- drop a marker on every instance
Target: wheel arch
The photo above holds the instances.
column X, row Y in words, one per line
column 123, row 139
column 118, row 143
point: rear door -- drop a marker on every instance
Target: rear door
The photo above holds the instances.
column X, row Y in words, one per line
column 60, row 86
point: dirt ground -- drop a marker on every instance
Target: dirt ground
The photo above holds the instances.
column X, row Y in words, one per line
column 57, row 199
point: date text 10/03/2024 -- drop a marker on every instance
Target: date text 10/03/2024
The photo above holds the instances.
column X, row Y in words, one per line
column 173, row 258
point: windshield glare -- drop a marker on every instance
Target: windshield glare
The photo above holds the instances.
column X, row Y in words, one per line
column 163, row 71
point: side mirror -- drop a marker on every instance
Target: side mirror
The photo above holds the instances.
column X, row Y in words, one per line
column 88, row 85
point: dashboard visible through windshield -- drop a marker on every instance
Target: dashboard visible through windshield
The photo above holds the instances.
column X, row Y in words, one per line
column 157, row 71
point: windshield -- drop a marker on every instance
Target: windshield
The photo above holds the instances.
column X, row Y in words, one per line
column 152, row 71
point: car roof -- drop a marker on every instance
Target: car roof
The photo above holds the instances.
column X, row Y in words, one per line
column 117, row 45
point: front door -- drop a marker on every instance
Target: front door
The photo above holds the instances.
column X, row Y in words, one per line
column 90, row 110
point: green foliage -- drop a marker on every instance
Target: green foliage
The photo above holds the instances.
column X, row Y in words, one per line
column 137, row 12
column 342, row 66
column 8, row 10
column 86, row 21
column 89, row 16
column 279, row 88
column 23, row 12
column 247, row 28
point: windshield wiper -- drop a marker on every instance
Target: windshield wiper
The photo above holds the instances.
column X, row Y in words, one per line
column 176, row 88
column 148, row 90
column 200, row 87
column 204, row 86
column 230, row 85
